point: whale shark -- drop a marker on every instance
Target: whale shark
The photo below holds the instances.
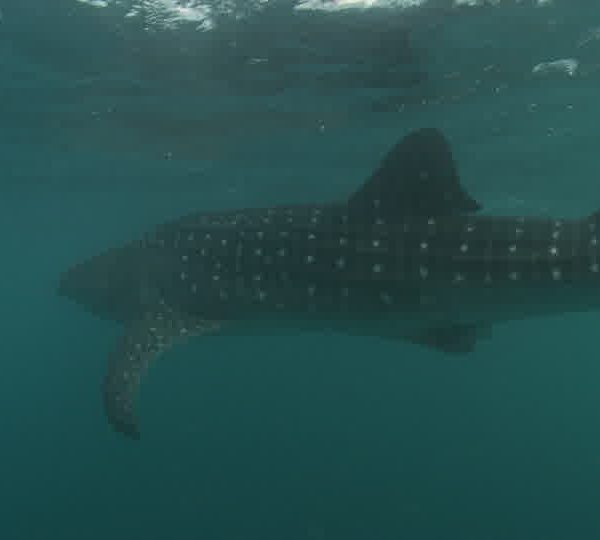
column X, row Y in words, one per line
column 409, row 256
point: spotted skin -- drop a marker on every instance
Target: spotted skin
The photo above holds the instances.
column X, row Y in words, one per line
column 233, row 267
column 406, row 257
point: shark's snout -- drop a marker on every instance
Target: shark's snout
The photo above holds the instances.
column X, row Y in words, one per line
column 80, row 281
column 109, row 285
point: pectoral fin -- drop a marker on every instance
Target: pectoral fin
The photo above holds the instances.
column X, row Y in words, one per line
column 144, row 340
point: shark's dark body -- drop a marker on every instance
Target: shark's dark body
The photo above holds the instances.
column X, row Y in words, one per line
column 406, row 257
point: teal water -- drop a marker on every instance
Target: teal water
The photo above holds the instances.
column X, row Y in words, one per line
column 111, row 124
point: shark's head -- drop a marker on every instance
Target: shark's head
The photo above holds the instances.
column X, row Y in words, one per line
column 112, row 285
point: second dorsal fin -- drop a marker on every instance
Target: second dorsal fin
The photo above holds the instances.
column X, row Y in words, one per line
column 418, row 177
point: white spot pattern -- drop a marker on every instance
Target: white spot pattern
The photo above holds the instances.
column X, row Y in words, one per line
column 378, row 239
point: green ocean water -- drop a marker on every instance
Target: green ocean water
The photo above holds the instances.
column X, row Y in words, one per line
column 110, row 125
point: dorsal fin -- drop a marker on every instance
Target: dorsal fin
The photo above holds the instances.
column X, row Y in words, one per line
column 418, row 177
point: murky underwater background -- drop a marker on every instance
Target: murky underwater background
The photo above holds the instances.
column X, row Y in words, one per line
column 118, row 115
